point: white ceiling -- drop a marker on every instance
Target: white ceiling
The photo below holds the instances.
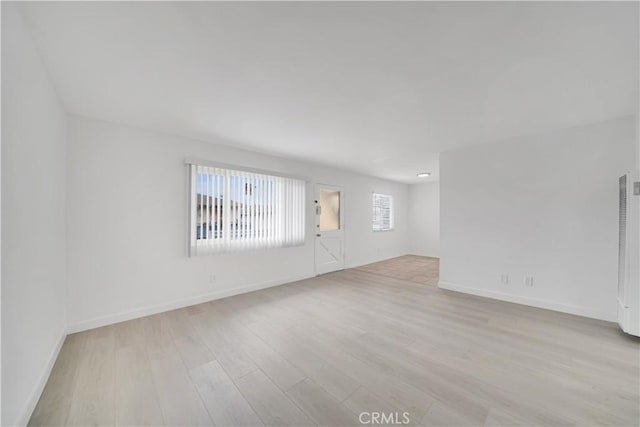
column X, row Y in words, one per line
column 379, row 88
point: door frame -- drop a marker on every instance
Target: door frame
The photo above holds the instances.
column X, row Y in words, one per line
column 316, row 222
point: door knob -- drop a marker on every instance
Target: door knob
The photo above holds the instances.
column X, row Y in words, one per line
column 317, row 235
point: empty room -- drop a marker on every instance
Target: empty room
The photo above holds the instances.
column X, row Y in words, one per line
column 320, row 213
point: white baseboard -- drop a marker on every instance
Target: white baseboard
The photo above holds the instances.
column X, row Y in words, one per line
column 428, row 255
column 173, row 305
column 30, row 405
column 533, row 302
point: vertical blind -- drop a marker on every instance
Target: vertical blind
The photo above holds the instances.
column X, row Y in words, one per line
column 382, row 212
column 234, row 210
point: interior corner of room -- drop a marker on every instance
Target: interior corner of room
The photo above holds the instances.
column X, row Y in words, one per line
column 504, row 214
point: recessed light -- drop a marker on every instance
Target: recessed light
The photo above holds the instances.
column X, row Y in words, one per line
column 423, row 174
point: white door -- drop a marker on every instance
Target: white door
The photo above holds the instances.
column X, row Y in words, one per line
column 329, row 209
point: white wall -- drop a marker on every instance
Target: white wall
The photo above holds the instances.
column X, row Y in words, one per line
column 33, row 221
column 545, row 206
column 127, row 216
column 424, row 219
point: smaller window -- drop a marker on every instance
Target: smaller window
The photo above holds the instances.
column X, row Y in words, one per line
column 382, row 212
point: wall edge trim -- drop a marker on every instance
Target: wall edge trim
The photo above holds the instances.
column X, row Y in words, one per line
column 30, row 405
column 136, row 313
column 532, row 302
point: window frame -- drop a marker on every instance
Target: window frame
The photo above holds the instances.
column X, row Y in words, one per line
column 197, row 247
column 391, row 212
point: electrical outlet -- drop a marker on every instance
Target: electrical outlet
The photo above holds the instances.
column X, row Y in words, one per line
column 504, row 278
column 212, row 278
column 528, row 281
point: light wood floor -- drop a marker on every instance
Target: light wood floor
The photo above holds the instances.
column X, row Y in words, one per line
column 412, row 268
column 323, row 350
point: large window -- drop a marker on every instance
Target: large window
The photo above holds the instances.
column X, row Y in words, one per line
column 382, row 212
column 236, row 210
